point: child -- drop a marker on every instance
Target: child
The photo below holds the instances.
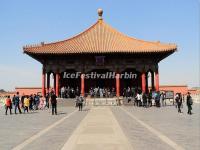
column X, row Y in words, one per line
column 42, row 103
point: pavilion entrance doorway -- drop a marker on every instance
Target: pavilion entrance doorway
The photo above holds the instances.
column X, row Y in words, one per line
column 130, row 79
column 70, row 83
column 99, row 79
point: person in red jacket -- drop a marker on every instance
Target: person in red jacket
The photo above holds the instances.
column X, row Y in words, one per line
column 8, row 104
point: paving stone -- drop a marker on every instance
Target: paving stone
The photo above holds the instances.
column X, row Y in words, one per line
column 181, row 128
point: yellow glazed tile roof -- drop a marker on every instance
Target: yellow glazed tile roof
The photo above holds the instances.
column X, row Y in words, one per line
column 100, row 38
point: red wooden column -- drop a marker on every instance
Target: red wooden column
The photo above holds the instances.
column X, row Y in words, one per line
column 48, row 82
column 54, row 85
column 43, row 82
column 143, row 82
column 117, row 85
column 152, row 81
column 82, row 84
column 157, row 80
column 147, row 85
column 57, row 84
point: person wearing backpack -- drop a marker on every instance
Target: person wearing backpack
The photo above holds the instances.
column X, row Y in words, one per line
column 16, row 102
column 189, row 103
column 8, row 105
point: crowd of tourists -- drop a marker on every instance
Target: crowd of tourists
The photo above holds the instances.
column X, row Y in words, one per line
column 102, row 92
column 27, row 103
column 34, row 102
column 141, row 99
column 69, row 92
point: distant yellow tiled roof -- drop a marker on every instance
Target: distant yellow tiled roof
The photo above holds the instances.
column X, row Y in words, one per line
column 100, row 38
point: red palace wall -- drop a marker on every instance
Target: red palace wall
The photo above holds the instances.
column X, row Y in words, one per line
column 37, row 90
column 28, row 90
column 176, row 88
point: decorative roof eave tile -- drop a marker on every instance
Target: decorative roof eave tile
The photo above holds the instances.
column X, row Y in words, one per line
column 108, row 52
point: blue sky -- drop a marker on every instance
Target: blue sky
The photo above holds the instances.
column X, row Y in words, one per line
column 28, row 22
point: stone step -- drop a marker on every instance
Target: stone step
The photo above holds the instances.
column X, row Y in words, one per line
column 101, row 101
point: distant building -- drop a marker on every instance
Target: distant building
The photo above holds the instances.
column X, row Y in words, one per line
column 175, row 88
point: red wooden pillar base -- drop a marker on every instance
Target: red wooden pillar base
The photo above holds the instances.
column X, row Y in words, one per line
column 143, row 82
column 43, row 82
column 117, row 85
column 83, row 84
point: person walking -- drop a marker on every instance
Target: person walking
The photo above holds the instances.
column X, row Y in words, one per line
column 157, row 99
column 162, row 98
column 47, row 100
column 80, row 103
column 13, row 100
column 16, row 103
column 22, row 101
column 8, row 105
column 128, row 95
column 176, row 99
column 26, row 103
column 189, row 103
column 179, row 102
column 31, row 101
column 138, row 99
column 150, row 99
column 54, row 103
column 144, row 98
column 62, row 92
column 36, row 101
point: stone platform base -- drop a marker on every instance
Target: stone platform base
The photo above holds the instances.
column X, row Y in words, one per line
column 103, row 101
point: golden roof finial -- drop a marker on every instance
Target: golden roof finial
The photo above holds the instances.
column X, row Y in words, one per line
column 100, row 13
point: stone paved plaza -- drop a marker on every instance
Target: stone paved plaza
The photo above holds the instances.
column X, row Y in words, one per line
column 102, row 127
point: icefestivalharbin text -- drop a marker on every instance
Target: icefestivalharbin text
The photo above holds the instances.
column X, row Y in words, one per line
column 95, row 75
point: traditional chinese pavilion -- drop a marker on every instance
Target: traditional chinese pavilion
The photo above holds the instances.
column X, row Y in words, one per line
column 100, row 48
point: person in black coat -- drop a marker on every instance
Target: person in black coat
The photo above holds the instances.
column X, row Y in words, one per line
column 54, row 103
column 150, row 99
column 144, row 98
column 80, row 103
column 179, row 102
column 189, row 103
column 16, row 103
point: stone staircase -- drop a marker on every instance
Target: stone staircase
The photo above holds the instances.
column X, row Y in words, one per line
column 70, row 102
column 101, row 101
